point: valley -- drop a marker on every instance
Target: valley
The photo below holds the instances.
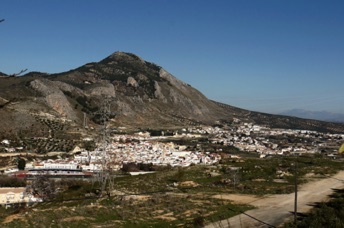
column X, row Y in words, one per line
column 189, row 176
column 123, row 143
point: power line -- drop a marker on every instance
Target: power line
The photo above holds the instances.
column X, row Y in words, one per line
column 333, row 178
column 254, row 218
column 295, row 188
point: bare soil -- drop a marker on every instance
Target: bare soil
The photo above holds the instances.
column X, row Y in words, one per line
column 274, row 210
column 11, row 218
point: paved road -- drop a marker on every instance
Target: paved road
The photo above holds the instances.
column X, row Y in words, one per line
column 276, row 209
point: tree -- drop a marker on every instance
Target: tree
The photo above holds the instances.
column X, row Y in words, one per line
column 235, row 177
column 21, row 164
column 8, row 181
column 43, row 187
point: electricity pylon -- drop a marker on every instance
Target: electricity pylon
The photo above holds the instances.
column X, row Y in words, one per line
column 107, row 159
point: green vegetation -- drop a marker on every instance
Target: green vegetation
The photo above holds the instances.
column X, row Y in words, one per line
column 325, row 214
column 8, row 181
column 171, row 197
column 156, row 210
column 21, row 163
column 44, row 145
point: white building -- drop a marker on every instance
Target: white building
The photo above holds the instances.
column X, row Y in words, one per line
column 10, row 196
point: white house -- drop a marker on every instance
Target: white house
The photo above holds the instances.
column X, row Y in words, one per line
column 10, row 196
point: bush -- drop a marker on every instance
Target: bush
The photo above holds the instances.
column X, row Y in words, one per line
column 198, row 221
column 21, row 164
column 43, row 187
column 6, row 181
column 133, row 167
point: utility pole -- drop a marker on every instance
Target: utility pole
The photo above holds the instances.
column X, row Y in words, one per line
column 85, row 121
column 295, row 189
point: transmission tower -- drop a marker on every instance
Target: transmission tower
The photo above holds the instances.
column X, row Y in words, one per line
column 108, row 160
column 85, row 124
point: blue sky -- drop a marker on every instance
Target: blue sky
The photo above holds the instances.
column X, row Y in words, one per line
column 266, row 55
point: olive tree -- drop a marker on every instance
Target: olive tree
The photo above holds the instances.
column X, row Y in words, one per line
column 42, row 187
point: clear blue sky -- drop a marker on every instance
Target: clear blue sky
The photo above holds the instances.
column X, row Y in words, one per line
column 265, row 55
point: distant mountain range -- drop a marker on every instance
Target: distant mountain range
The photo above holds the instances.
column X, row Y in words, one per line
column 315, row 115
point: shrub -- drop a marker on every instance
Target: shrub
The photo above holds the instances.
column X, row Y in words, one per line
column 6, row 181
column 21, row 164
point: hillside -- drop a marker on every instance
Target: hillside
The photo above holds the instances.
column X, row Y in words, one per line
column 135, row 93
column 282, row 121
column 316, row 115
column 139, row 94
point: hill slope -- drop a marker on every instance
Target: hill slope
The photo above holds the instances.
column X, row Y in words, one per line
column 316, row 115
column 138, row 94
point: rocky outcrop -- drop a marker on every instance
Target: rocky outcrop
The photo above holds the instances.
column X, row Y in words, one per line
column 140, row 91
column 3, row 102
column 171, row 79
column 158, row 93
column 54, row 97
column 132, row 82
column 44, row 87
column 104, row 89
column 139, row 94
column 68, row 88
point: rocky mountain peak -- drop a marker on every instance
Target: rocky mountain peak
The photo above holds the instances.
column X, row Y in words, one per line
column 125, row 56
column 141, row 95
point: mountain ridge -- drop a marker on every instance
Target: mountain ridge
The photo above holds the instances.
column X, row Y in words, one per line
column 139, row 94
column 317, row 115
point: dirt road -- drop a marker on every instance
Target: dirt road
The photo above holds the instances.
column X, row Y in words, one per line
column 31, row 154
column 276, row 209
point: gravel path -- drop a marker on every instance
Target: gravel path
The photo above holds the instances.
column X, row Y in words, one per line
column 277, row 209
